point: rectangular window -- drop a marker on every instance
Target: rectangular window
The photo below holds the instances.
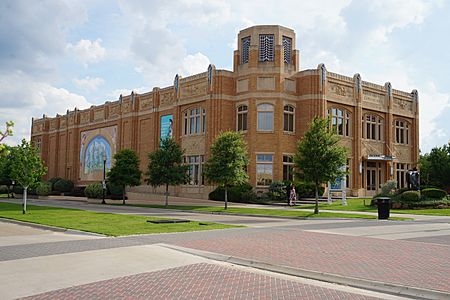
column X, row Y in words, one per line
column 265, row 121
column 204, row 121
column 195, row 170
column 401, row 170
column 245, row 49
column 288, row 168
column 264, row 169
column 186, row 124
column 266, row 50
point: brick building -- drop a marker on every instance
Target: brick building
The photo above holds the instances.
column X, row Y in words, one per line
column 266, row 97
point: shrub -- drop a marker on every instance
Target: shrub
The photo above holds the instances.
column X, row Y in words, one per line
column 44, row 189
column 402, row 190
column 94, row 190
column 433, row 193
column 113, row 189
column 52, row 182
column 241, row 193
column 307, row 190
column 277, row 190
column 388, row 187
column 435, row 203
column 63, row 186
column 409, row 197
column 4, row 189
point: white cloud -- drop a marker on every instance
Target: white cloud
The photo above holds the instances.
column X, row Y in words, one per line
column 193, row 64
column 88, row 83
column 33, row 99
column 87, row 51
column 432, row 104
column 115, row 94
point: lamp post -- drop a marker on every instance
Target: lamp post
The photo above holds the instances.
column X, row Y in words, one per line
column 104, row 179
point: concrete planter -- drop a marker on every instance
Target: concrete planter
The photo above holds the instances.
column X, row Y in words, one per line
column 94, row 201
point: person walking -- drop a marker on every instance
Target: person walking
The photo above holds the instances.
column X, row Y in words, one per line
column 293, row 197
column 288, row 193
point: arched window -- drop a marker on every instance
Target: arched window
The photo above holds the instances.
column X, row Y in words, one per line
column 265, row 117
column 288, row 118
column 340, row 121
column 401, row 132
column 372, row 128
column 242, row 112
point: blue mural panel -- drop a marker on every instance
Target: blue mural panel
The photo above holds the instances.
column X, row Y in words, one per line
column 96, row 151
column 166, row 127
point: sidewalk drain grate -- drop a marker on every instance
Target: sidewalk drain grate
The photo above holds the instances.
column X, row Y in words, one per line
column 168, row 221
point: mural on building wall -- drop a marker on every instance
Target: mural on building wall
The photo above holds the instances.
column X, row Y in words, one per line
column 166, row 126
column 95, row 146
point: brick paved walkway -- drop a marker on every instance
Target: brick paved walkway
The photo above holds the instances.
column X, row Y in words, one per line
column 398, row 262
column 198, row 281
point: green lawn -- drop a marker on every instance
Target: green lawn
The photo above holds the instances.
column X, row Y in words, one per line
column 266, row 212
column 357, row 204
column 103, row 223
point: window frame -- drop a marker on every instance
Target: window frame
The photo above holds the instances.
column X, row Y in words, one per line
column 401, row 131
column 373, row 128
column 288, row 115
column 263, row 117
column 266, row 165
column 195, row 170
column 242, row 118
column 342, row 117
column 194, row 121
column 288, row 167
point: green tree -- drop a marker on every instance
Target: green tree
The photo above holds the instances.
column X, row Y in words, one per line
column 165, row 166
column 435, row 166
column 125, row 171
column 27, row 168
column 319, row 157
column 229, row 158
column 424, row 167
column 5, row 169
column 4, row 134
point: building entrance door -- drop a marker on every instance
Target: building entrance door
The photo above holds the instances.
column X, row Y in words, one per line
column 373, row 173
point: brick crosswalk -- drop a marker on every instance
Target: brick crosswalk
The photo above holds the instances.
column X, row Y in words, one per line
column 197, row 281
column 398, row 262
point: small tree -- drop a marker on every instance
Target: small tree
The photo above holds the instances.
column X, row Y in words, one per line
column 27, row 168
column 319, row 156
column 228, row 161
column 165, row 166
column 125, row 171
column 5, row 134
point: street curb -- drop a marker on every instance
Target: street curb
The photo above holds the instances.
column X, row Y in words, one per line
column 378, row 286
column 50, row 228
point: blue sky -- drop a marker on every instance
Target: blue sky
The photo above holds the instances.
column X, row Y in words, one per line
column 56, row 55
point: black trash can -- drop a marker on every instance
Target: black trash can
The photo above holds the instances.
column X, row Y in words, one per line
column 384, row 207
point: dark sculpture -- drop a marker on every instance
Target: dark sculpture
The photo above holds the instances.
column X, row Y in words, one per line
column 413, row 179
